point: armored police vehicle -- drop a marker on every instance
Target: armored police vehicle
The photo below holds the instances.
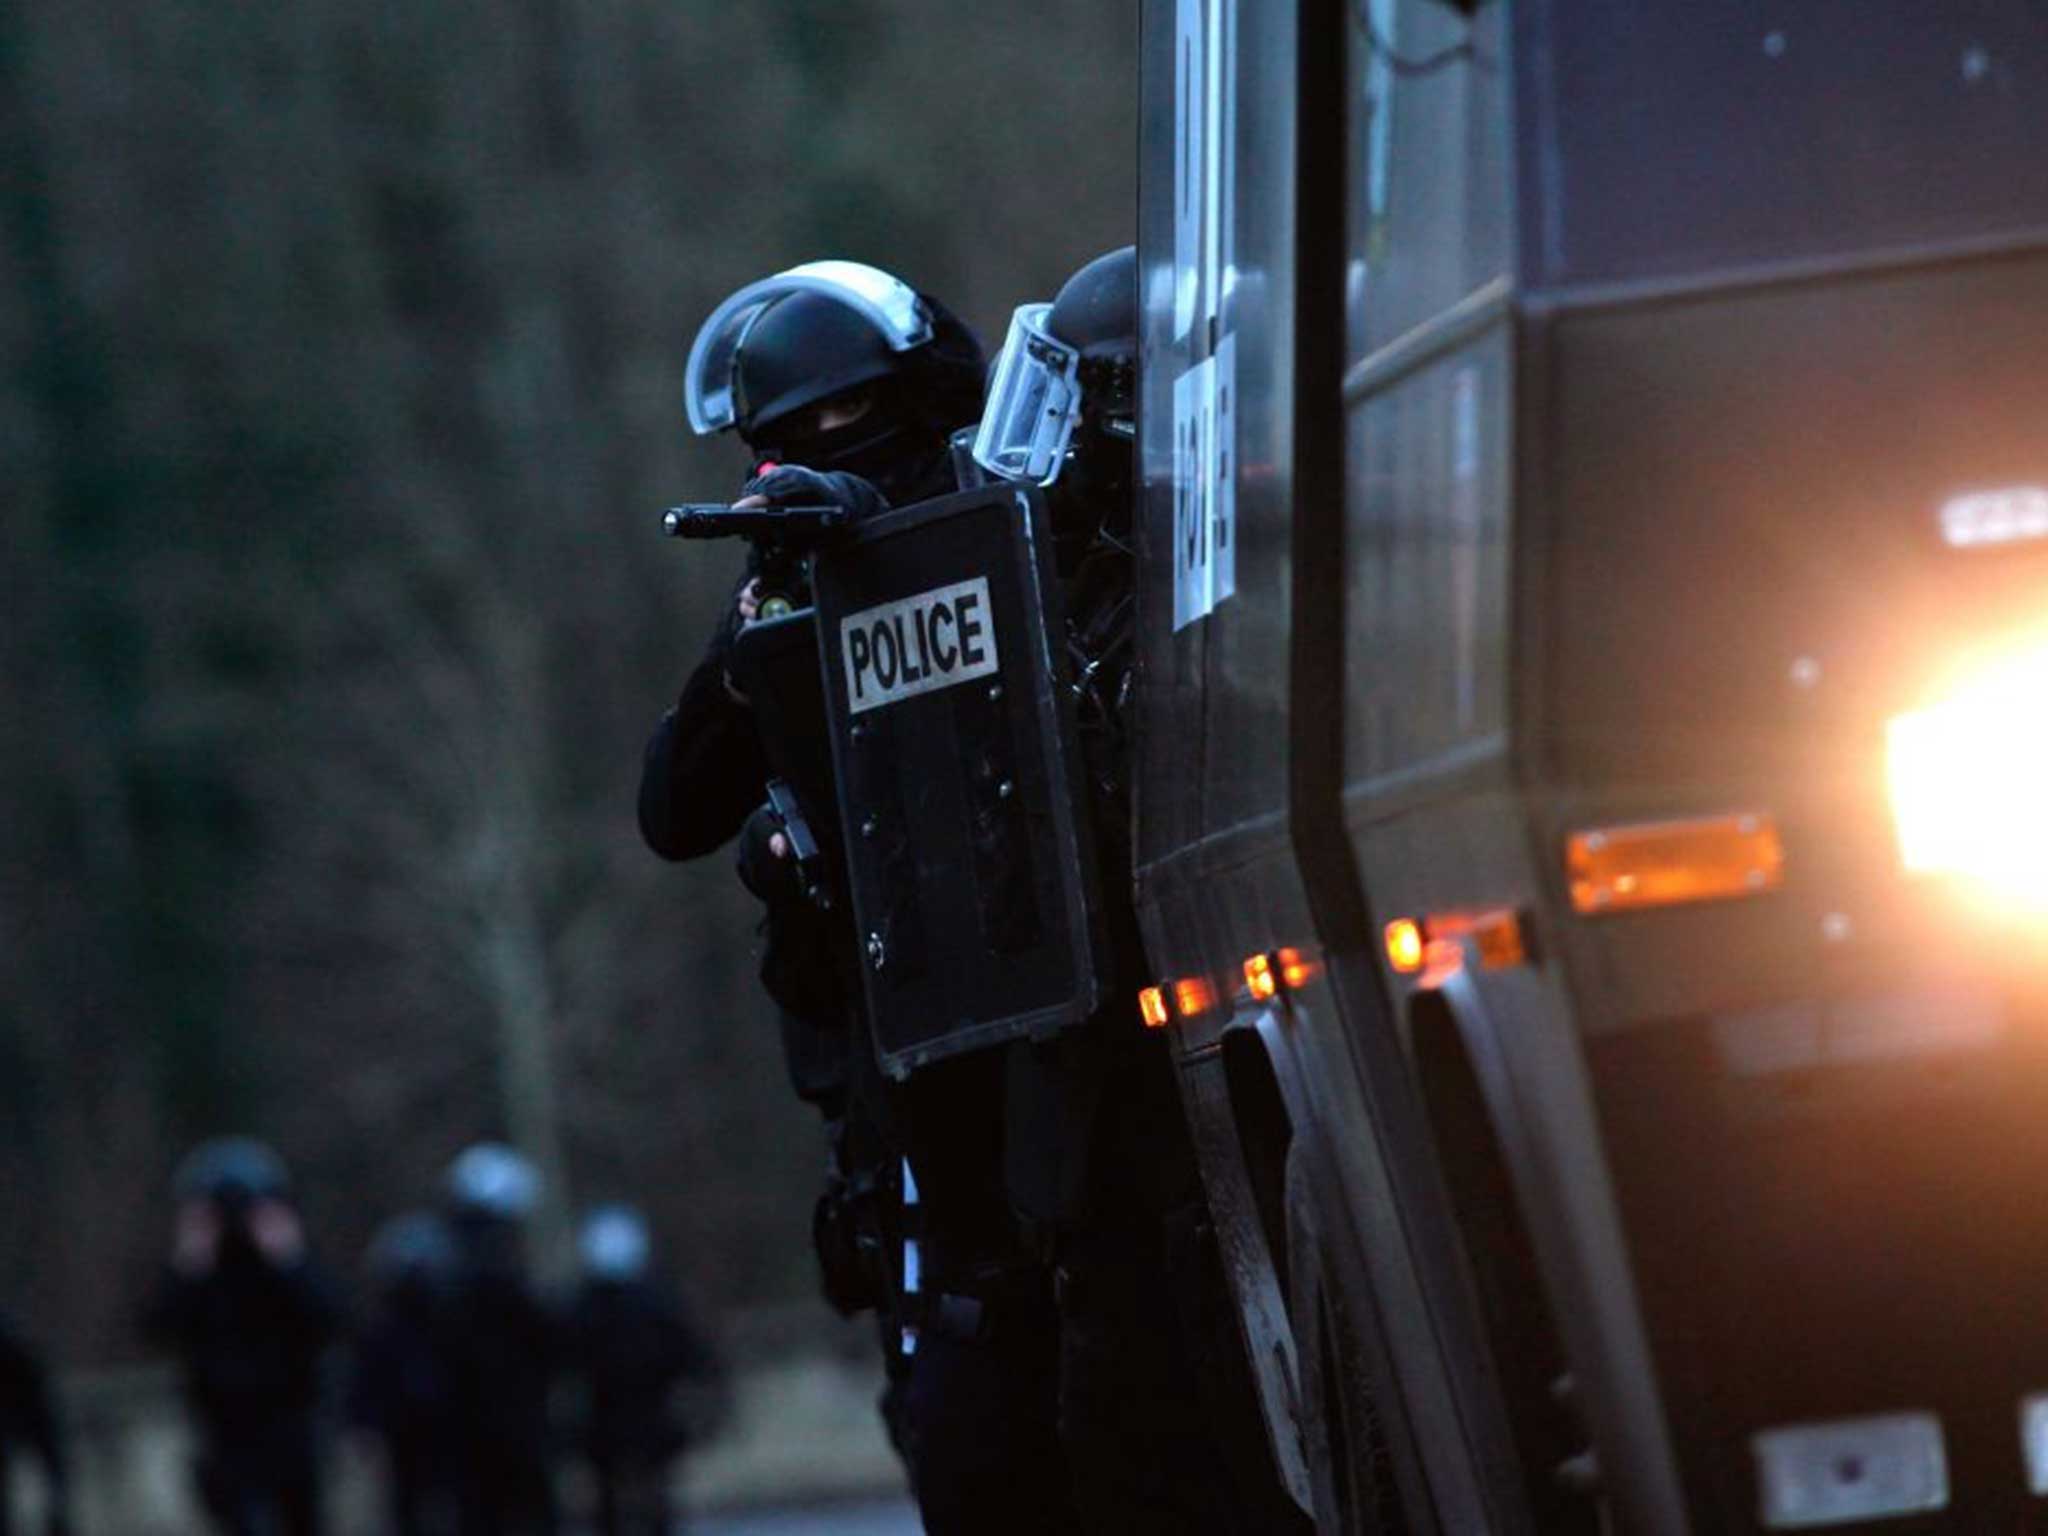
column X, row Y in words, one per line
column 1593, row 813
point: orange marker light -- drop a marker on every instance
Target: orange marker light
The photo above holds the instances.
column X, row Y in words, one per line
column 1407, row 950
column 1259, row 979
column 1665, row 863
column 1496, row 933
column 1191, row 996
column 1152, row 1007
column 1295, row 971
column 1441, row 960
column 1499, row 936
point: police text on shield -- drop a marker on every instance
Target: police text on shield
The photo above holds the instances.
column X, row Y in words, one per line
column 916, row 644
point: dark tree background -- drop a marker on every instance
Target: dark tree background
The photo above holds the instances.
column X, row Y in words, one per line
column 340, row 377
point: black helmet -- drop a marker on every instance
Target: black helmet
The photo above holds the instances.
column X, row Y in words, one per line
column 231, row 1170
column 777, row 350
column 490, row 1181
column 805, row 348
column 1096, row 312
column 412, row 1247
column 613, row 1245
column 1062, row 401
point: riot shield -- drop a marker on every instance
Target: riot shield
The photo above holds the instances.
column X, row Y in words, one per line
column 968, row 852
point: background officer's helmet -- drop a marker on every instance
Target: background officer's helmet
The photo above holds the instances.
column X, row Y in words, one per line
column 231, row 1171
column 492, row 1181
column 412, row 1248
column 613, row 1245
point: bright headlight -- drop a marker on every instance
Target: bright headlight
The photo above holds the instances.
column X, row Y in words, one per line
column 1969, row 781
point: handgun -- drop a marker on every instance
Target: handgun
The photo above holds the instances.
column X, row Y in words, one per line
column 783, row 539
column 804, row 852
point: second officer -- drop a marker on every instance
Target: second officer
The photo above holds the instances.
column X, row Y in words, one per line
column 1155, row 1405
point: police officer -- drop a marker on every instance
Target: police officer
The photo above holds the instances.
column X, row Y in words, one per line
column 249, row 1315
column 1154, row 1405
column 852, row 384
column 632, row 1347
column 844, row 384
column 404, row 1386
column 503, row 1345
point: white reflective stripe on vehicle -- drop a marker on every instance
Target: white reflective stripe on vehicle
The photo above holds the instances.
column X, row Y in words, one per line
column 1205, row 485
column 1828, row 1473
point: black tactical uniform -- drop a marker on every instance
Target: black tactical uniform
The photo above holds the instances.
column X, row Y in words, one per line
column 503, row 1345
column 971, row 1354
column 403, row 1387
column 1155, row 1405
column 28, row 1420
column 865, row 398
column 701, row 786
column 631, row 1347
column 249, row 1317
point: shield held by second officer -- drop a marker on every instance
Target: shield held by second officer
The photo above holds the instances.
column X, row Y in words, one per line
column 968, row 852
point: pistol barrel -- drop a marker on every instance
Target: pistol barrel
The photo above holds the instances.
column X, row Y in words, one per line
column 715, row 520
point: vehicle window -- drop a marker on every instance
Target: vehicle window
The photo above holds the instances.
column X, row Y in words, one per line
column 1678, row 138
column 1429, row 202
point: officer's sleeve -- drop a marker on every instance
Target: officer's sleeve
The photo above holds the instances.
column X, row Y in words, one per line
column 704, row 771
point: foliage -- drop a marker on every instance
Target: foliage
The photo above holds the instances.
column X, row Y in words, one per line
column 340, row 352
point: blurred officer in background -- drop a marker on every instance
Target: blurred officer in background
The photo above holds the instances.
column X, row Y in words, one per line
column 404, row 1389
column 633, row 1350
column 502, row 1344
column 249, row 1316
column 28, row 1420
column 1155, row 1399
column 844, row 384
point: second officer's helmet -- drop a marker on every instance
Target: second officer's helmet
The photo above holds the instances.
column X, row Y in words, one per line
column 837, row 365
column 1062, row 403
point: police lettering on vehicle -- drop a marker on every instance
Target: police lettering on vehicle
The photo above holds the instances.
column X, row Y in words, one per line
column 916, row 644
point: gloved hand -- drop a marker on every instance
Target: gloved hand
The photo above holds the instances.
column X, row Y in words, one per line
column 768, row 874
column 791, row 485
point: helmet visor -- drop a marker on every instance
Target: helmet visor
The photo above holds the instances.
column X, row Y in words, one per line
column 888, row 303
column 1033, row 402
